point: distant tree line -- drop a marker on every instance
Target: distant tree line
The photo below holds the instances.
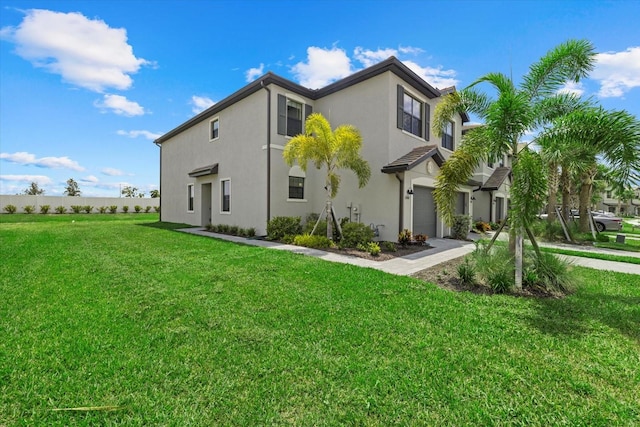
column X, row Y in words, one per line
column 73, row 189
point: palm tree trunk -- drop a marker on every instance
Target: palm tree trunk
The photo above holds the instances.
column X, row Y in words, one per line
column 552, row 189
column 565, row 182
column 585, row 198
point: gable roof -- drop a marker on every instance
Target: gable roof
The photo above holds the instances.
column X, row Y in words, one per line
column 414, row 158
column 391, row 64
column 496, row 179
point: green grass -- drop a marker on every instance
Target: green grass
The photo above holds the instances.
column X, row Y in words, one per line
column 185, row 330
column 592, row 255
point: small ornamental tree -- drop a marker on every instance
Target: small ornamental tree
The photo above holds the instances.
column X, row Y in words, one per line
column 331, row 150
column 72, row 188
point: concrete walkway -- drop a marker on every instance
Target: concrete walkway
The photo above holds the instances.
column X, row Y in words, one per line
column 441, row 250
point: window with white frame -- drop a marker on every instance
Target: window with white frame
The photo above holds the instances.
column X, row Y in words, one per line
column 225, row 193
column 214, row 129
column 190, row 197
column 296, row 187
column 447, row 136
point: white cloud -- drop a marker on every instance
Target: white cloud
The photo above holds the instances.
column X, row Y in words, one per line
column 90, row 179
column 253, row 73
column 572, row 87
column 323, row 66
column 136, row 133
column 371, row 57
column 436, row 77
column 85, row 52
column 24, row 158
column 410, row 50
column 617, row 72
column 112, row 172
column 40, row 179
column 200, row 103
column 120, row 105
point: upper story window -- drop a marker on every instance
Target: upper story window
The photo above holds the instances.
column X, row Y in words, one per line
column 214, row 129
column 413, row 114
column 609, row 195
column 294, row 118
column 190, row 197
column 291, row 115
column 447, row 136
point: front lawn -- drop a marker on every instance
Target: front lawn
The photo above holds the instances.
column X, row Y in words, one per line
column 176, row 329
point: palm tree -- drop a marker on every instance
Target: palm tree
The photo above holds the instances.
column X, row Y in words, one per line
column 333, row 150
column 515, row 111
column 593, row 132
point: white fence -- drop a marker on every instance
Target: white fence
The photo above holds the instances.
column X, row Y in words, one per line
column 20, row 201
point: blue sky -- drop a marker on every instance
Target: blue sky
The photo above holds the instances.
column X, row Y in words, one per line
column 86, row 86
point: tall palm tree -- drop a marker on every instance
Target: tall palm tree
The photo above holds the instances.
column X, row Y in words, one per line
column 332, row 150
column 613, row 136
column 515, row 111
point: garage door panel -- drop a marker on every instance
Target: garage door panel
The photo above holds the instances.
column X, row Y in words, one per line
column 424, row 211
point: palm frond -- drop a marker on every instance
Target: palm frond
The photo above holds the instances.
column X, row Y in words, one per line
column 569, row 61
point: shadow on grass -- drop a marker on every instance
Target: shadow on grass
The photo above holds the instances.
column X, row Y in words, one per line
column 166, row 225
column 581, row 313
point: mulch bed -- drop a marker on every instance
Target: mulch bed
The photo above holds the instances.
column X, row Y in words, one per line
column 384, row 255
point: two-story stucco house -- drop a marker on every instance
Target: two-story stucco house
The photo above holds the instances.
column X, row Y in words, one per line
column 225, row 165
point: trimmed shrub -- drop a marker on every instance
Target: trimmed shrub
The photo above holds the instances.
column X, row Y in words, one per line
column 29, row 209
column 125, row 209
column 61, row 209
column 421, row 238
column 373, row 248
column 280, row 226
column 102, row 209
column 482, row 226
column 76, row 208
column 389, row 247
column 461, row 226
column 137, row 208
column 87, row 208
column 113, row 209
column 355, row 233
column 147, row 209
column 234, row 230
column 404, row 237
column 312, row 241
column 44, row 209
column 494, row 226
column 250, row 232
column 10, row 209
column 157, row 208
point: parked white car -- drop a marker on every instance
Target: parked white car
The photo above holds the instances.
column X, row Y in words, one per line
column 605, row 221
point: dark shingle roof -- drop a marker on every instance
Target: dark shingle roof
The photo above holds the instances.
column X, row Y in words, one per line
column 204, row 170
column 496, row 179
column 413, row 158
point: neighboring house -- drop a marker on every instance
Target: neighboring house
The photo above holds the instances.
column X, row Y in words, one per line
column 225, row 165
column 609, row 202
